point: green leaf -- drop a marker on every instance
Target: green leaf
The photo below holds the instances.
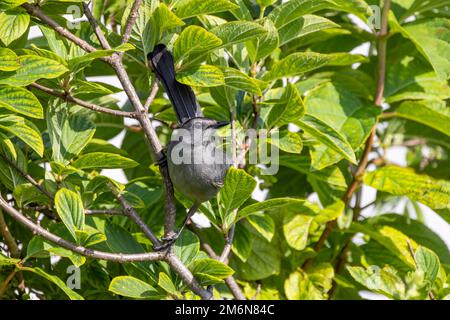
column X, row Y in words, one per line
column 238, row 187
column 331, row 212
column 289, row 108
column 39, row 248
column 238, row 31
column 57, row 281
column 428, row 262
column 13, row 24
column 80, row 61
column 240, row 81
column 409, row 77
column 166, row 283
column 120, row 240
column 312, row 285
column 390, row 238
column 9, row 4
column 328, row 136
column 264, row 260
column 102, row 160
column 303, row 26
column 296, row 229
column 190, row 8
column 432, row 39
column 26, row 193
column 193, row 41
column 294, row 9
column 187, row 247
column 301, row 62
column 69, row 134
column 415, row 230
column 9, row 176
column 262, row 223
column 242, row 242
column 202, row 76
column 21, row 101
column 330, row 175
column 290, row 142
column 8, row 60
column 384, row 281
column 70, row 209
column 33, row 68
column 404, row 181
column 133, row 288
column 434, row 114
column 24, row 130
column 265, row 45
column 210, row 271
column 345, row 113
column 270, row 204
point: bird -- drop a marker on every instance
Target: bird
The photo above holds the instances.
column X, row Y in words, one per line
column 197, row 167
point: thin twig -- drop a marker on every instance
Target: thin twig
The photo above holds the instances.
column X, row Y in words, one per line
column 5, row 283
column 109, row 212
column 131, row 21
column 35, row 11
column 134, row 216
column 98, row 32
column 69, row 98
column 152, row 96
column 27, row 177
column 13, row 248
column 228, row 244
column 8, row 237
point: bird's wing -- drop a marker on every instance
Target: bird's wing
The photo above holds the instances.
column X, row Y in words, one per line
column 182, row 97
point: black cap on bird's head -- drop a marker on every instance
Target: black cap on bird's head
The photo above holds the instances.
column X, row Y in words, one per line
column 182, row 97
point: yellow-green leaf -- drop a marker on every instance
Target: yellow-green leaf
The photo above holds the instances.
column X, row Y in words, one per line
column 33, row 68
column 21, row 101
column 404, row 181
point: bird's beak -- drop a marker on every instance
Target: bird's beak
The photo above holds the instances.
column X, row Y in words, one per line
column 220, row 124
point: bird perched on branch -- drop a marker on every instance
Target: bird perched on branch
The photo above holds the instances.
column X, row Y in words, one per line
column 197, row 167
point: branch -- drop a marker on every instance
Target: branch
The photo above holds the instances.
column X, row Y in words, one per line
column 228, row 244
column 116, row 257
column 134, row 216
column 9, row 239
column 68, row 98
column 98, row 32
column 152, row 96
column 131, row 20
column 110, row 212
column 35, row 11
column 27, row 177
column 358, row 174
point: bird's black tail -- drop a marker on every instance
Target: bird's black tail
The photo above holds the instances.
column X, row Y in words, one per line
column 181, row 95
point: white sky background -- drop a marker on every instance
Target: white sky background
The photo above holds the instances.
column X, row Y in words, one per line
column 395, row 155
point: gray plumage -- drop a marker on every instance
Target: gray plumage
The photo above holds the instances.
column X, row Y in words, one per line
column 198, row 181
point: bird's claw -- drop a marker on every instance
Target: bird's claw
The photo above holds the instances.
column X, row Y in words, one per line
column 168, row 241
column 162, row 161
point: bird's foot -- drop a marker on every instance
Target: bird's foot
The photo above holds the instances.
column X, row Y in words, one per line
column 162, row 162
column 167, row 241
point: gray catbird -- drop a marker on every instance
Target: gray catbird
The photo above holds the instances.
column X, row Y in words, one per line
column 197, row 167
